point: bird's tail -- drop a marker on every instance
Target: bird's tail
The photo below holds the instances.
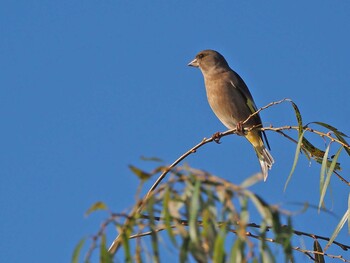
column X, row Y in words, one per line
column 265, row 158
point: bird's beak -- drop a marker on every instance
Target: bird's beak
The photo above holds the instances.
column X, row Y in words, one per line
column 193, row 63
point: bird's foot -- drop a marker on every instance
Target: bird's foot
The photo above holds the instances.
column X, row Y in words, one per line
column 239, row 129
column 216, row 137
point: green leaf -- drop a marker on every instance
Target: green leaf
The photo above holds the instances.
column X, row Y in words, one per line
column 152, row 159
column 267, row 255
column 328, row 178
column 261, row 206
column 251, row 180
column 334, row 161
column 318, row 257
column 312, row 150
column 126, row 242
column 298, row 116
column 332, row 128
column 105, row 256
column 77, row 249
column 287, row 244
column 142, row 175
column 244, row 216
column 138, row 252
column 297, row 152
column 193, row 225
column 153, row 227
column 219, row 246
column 323, row 169
column 340, row 138
column 237, row 252
column 316, row 153
column 283, row 235
column 209, row 226
column 340, row 225
column 96, row 206
column 184, row 250
column 167, row 216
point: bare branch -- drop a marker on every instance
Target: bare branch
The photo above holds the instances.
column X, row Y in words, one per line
column 250, row 234
column 216, row 137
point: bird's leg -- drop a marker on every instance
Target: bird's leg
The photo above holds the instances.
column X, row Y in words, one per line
column 216, row 137
column 239, row 129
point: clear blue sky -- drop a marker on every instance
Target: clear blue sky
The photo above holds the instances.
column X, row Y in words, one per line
column 87, row 87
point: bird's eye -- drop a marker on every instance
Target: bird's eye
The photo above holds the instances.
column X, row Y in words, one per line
column 200, row 56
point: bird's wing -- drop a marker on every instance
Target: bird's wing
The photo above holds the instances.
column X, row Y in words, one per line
column 238, row 83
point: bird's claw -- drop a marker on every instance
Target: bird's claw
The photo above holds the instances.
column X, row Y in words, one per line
column 216, row 137
column 239, row 128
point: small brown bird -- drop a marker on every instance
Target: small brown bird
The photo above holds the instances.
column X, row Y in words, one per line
column 231, row 101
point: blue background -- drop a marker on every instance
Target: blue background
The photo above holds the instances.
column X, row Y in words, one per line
column 87, row 87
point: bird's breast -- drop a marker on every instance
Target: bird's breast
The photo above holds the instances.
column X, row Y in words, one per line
column 221, row 97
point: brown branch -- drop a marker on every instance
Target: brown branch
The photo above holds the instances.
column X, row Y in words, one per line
column 265, row 107
column 254, row 225
column 205, row 141
column 322, row 134
column 307, row 252
column 97, row 236
column 250, row 234
column 216, row 137
column 341, row 178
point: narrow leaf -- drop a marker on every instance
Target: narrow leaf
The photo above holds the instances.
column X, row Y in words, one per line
column 312, row 149
column 298, row 116
column 307, row 146
column 334, row 161
column 219, row 246
column 167, row 216
column 77, row 249
column 105, row 256
column 184, row 250
column 153, row 227
column 126, row 243
column 340, row 138
column 338, row 228
column 337, row 133
column 332, row 128
column 237, row 252
column 267, row 255
column 319, row 258
column 297, row 152
column 142, row 175
column 244, row 216
column 251, row 180
column 193, row 226
column 96, row 206
column 153, row 159
column 323, row 169
column 329, row 173
column 261, row 206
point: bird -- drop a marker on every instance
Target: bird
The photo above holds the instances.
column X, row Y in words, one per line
column 232, row 102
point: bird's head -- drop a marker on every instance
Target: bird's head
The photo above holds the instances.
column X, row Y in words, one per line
column 208, row 61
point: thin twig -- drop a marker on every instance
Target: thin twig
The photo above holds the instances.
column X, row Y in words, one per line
column 216, row 137
column 205, row 141
column 254, row 225
column 250, row 234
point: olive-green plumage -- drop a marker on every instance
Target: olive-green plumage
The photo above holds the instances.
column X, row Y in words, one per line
column 231, row 101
